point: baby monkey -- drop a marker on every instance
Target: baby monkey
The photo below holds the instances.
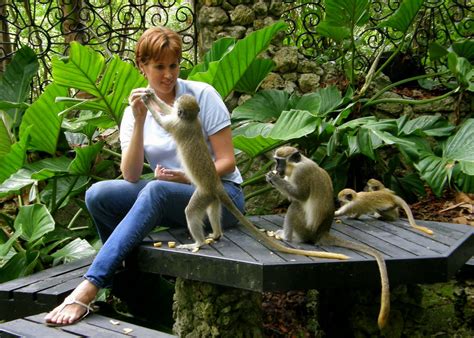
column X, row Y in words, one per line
column 182, row 122
column 310, row 214
column 378, row 200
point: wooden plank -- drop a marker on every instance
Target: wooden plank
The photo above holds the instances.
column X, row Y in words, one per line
column 194, row 266
column 42, row 286
column 7, row 288
column 96, row 325
column 275, row 223
column 415, row 243
column 57, row 293
column 26, row 328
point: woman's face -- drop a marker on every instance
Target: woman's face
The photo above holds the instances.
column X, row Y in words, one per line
column 162, row 75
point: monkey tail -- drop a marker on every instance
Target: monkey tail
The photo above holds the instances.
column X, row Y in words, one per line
column 227, row 202
column 385, row 290
column 411, row 219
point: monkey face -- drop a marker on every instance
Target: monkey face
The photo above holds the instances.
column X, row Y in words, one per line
column 280, row 166
column 187, row 107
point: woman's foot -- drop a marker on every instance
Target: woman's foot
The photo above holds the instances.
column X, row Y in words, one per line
column 75, row 306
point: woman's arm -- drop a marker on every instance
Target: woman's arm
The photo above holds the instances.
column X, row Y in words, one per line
column 221, row 143
column 134, row 156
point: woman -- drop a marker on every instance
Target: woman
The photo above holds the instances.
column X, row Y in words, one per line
column 125, row 211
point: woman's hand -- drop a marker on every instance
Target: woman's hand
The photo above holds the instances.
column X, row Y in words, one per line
column 170, row 175
column 138, row 107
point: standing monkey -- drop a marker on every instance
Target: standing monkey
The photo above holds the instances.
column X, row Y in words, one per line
column 379, row 200
column 182, row 122
column 311, row 211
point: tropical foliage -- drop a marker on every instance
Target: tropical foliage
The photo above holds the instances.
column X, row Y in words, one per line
column 63, row 133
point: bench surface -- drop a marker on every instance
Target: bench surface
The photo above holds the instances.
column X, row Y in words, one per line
column 239, row 260
column 92, row 326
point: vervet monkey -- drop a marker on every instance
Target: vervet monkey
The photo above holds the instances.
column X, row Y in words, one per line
column 311, row 211
column 378, row 197
column 182, row 122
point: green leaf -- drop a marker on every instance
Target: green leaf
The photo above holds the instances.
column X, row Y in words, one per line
column 294, row 124
column 402, row 19
column 436, row 51
column 5, row 247
column 77, row 249
column 34, row 221
column 460, row 147
column 85, row 158
column 436, row 171
column 17, row 181
column 342, row 17
column 5, row 136
column 43, row 117
column 4, row 105
column 337, row 33
column 49, row 167
column 265, row 106
column 110, row 83
column 11, row 162
column 252, row 138
column 329, row 97
column 254, row 75
column 224, row 74
column 15, row 82
column 426, row 125
column 21, row 264
column 464, row 49
column 217, row 51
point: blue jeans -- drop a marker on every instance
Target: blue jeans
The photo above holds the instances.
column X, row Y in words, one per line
column 124, row 213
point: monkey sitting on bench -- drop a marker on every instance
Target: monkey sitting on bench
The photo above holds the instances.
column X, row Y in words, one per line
column 311, row 211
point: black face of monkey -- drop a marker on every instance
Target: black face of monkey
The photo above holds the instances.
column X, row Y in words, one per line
column 281, row 162
column 280, row 166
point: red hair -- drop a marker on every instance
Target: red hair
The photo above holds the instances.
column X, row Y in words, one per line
column 155, row 42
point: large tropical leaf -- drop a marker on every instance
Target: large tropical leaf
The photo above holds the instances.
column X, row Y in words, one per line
column 21, row 264
column 254, row 75
column 34, row 221
column 404, row 16
column 77, row 249
column 15, row 82
column 14, row 159
column 85, row 158
column 110, row 83
column 43, row 117
column 217, row 51
column 5, row 135
column 265, row 106
column 224, row 74
column 458, row 151
column 342, row 17
column 294, row 124
column 460, row 147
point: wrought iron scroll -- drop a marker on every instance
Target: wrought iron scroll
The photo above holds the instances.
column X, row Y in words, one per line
column 110, row 27
column 438, row 20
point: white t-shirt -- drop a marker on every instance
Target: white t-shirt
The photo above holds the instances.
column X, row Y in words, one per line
column 160, row 147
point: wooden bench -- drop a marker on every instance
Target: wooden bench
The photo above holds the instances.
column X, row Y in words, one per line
column 240, row 261
column 92, row 326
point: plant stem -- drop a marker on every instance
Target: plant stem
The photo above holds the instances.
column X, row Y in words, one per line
column 414, row 102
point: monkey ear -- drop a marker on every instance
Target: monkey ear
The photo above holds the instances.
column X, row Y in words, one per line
column 349, row 197
column 295, row 157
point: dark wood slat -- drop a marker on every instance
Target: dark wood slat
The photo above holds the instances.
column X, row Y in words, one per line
column 59, row 292
column 253, row 247
column 275, row 223
column 42, row 286
column 96, row 325
column 416, row 243
column 26, row 328
column 8, row 287
column 376, row 238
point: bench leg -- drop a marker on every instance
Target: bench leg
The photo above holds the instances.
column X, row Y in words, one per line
column 208, row 310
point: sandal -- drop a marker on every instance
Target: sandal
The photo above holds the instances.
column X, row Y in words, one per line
column 69, row 301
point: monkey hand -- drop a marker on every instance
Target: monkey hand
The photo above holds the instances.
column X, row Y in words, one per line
column 272, row 177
